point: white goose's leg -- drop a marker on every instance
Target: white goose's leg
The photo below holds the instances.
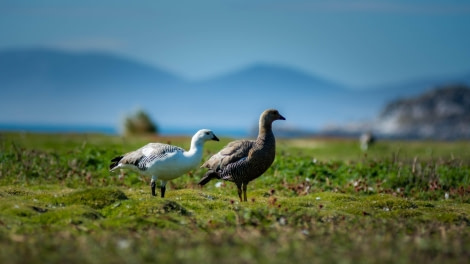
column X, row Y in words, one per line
column 153, row 184
column 163, row 188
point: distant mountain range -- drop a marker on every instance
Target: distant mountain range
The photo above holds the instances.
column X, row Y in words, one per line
column 45, row 86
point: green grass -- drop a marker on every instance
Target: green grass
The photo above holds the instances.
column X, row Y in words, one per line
column 322, row 201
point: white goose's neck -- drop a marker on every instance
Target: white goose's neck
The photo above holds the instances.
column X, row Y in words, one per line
column 196, row 150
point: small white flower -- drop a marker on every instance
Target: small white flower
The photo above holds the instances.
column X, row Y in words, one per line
column 318, row 198
column 123, row 244
column 218, row 184
column 386, row 209
column 446, row 195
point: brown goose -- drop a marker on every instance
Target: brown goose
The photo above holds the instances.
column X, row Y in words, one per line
column 242, row 161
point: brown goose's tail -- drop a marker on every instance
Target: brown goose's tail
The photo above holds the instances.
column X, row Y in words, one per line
column 115, row 162
column 209, row 176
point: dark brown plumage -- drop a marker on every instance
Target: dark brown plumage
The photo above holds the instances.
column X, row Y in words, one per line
column 242, row 161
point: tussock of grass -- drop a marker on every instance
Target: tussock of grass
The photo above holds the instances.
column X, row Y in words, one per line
column 96, row 198
column 13, row 191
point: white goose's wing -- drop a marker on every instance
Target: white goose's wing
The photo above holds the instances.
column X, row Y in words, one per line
column 144, row 157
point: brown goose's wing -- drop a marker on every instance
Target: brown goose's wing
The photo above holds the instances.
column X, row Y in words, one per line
column 231, row 153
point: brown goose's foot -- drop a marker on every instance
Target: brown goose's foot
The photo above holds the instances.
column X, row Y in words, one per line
column 152, row 186
column 239, row 188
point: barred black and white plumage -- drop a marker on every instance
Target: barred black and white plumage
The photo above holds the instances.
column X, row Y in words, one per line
column 163, row 161
column 242, row 161
column 144, row 157
column 159, row 152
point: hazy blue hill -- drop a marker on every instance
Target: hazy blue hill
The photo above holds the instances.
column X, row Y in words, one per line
column 254, row 88
column 59, row 71
column 272, row 77
column 272, row 83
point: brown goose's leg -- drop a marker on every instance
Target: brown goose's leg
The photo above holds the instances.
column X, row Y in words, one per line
column 163, row 188
column 239, row 187
column 244, row 191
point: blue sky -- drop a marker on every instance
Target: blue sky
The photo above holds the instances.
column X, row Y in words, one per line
column 358, row 43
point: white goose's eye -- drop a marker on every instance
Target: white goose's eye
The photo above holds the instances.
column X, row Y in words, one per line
column 207, row 133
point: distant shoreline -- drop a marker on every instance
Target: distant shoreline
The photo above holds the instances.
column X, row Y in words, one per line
column 41, row 128
column 108, row 130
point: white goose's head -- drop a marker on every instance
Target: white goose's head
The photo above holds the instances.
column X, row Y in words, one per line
column 204, row 135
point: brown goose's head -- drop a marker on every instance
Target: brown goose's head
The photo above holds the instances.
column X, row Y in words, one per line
column 269, row 116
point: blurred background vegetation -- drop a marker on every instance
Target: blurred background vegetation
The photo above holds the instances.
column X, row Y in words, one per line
column 139, row 123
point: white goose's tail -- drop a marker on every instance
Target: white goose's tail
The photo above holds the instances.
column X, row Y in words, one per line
column 115, row 163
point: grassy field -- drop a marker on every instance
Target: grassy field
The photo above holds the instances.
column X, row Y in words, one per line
column 322, row 201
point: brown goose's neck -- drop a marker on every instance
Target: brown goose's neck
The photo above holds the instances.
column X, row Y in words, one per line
column 265, row 132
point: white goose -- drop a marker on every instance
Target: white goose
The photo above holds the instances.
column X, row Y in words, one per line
column 163, row 161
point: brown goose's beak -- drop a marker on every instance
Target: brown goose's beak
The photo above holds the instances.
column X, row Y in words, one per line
column 281, row 117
